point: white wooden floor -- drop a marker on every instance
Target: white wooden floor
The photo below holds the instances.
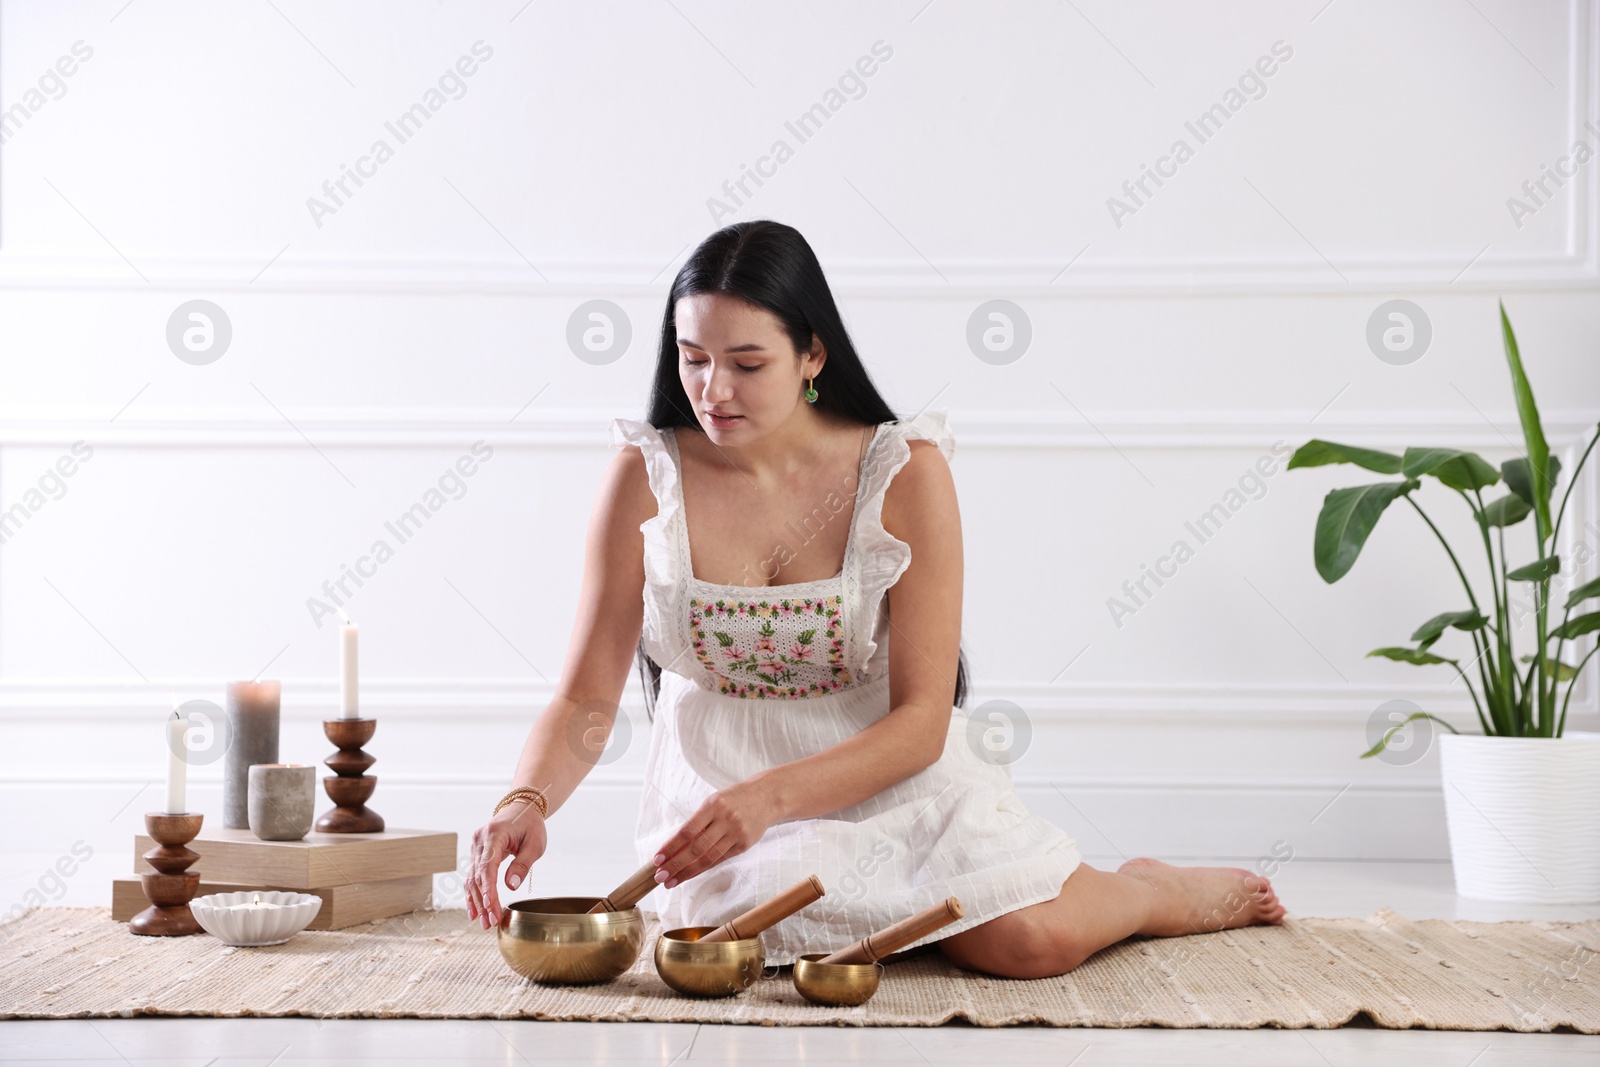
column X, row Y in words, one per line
column 1416, row 890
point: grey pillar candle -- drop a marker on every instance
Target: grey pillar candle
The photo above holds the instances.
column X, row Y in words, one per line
column 252, row 738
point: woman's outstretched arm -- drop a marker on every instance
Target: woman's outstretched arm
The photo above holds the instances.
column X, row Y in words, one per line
column 920, row 509
column 568, row 736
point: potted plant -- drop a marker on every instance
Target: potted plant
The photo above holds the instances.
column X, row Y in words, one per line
column 1522, row 801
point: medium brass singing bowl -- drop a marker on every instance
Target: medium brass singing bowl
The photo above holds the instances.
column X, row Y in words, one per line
column 835, row 984
column 551, row 939
column 698, row 968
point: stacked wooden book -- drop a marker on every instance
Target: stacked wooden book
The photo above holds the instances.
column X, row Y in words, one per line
column 360, row 877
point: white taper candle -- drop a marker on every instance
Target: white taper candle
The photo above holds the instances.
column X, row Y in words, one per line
column 177, row 765
column 348, row 704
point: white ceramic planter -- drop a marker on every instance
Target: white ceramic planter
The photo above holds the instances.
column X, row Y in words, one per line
column 1524, row 816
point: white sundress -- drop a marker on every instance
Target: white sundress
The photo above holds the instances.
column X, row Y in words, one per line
column 755, row 676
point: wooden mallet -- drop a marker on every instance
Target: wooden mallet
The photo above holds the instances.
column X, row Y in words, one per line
column 769, row 913
column 629, row 893
column 875, row 946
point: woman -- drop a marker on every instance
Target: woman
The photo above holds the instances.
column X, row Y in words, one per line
column 784, row 744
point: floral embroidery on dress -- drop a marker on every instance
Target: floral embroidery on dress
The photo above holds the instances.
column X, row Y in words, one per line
column 796, row 652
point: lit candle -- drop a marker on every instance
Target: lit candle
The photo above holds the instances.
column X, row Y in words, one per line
column 177, row 765
column 348, row 708
column 255, row 905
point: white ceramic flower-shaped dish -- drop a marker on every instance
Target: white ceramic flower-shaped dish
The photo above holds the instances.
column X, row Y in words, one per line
column 221, row 915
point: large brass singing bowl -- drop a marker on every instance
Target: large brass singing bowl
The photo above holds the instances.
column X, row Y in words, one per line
column 698, row 968
column 551, row 939
column 835, row 984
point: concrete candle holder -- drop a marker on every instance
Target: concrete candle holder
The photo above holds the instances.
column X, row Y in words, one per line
column 283, row 799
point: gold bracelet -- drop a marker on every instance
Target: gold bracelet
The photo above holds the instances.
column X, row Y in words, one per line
column 533, row 796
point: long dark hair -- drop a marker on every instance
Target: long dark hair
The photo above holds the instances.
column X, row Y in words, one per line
column 770, row 265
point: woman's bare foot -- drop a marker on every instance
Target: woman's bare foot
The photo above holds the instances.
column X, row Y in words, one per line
column 1197, row 900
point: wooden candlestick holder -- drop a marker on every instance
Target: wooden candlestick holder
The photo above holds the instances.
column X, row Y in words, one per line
column 352, row 787
column 171, row 886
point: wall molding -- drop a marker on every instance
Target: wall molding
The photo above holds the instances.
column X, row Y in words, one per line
column 850, row 280
column 977, row 429
column 1573, row 262
column 310, row 700
column 1323, row 817
column 1066, row 702
column 73, row 775
column 1574, row 265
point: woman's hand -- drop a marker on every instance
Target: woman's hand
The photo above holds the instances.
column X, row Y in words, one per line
column 517, row 831
column 728, row 823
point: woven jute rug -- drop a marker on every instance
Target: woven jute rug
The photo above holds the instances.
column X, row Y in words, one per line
column 1526, row 976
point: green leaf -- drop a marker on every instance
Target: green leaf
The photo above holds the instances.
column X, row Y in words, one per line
column 1346, row 521
column 806, row 635
column 1565, row 672
column 1506, row 511
column 1537, row 571
column 1408, row 655
column 1532, row 429
column 722, row 639
column 1315, row 453
column 1584, row 592
column 1462, row 620
column 1519, row 477
column 1453, row 467
column 1388, row 734
column 1576, row 628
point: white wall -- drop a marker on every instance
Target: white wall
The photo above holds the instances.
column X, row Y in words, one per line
column 1172, row 346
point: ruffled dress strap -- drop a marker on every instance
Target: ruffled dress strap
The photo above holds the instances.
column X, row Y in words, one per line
column 877, row 557
column 666, row 566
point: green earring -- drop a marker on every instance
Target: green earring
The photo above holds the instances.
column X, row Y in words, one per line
column 811, row 392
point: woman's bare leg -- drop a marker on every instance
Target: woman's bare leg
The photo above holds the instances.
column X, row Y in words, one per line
column 1099, row 908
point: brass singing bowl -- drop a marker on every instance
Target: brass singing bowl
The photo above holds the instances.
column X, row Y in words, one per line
column 835, row 984
column 551, row 939
column 698, row 968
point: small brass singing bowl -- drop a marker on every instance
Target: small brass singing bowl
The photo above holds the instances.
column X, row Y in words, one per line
column 553, row 940
column 698, row 968
column 835, row 984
